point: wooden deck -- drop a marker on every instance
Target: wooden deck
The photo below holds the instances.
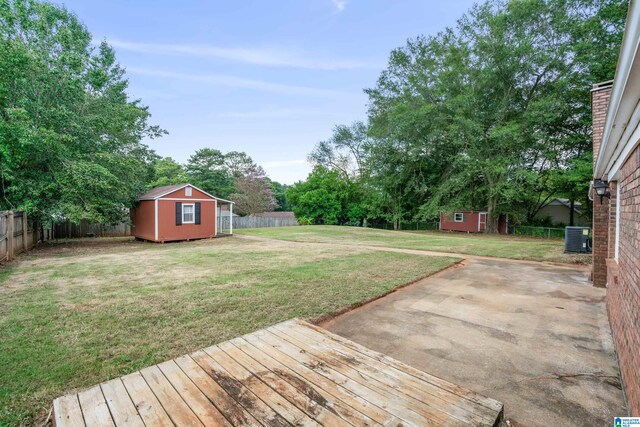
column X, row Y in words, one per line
column 292, row 373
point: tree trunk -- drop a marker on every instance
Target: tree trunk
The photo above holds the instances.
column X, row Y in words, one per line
column 492, row 217
column 571, row 212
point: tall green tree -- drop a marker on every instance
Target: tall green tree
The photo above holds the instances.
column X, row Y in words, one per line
column 167, row 171
column 488, row 110
column 346, row 151
column 253, row 192
column 70, row 136
column 239, row 163
column 323, row 197
column 206, row 169
column 280, row 193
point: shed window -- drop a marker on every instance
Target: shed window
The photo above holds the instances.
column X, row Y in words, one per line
column 458, row 217
column 188, row 216
column 187, row 191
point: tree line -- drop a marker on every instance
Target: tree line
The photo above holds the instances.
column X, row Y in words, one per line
column 70, row 134
column 493, row 114
column 490, row 114
column 233, row 175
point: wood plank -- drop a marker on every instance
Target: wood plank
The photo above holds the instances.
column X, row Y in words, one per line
column 231, row 409
column 348, row 378
column 458, row 398
column 292, row 373
column 306, row 398
column 362, row 409
column 67, row 412
column 398, row 404
column 122, row 409
column 238, row 391
column 174, row 406
column 269, row 395
column 94, row 408
column 148, row 406
column 198, row 402
column 443, row 404
column 470, row 395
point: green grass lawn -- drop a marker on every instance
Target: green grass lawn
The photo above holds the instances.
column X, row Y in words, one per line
column 79, row 313
column 473, row 244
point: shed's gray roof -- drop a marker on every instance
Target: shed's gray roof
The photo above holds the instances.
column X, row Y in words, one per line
column 159, row 191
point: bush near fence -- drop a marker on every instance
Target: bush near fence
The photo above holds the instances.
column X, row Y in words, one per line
column 541, row 232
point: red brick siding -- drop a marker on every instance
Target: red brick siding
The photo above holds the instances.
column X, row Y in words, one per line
column 600, row 247
column 611, row 249
column 623, row 295
column 599, row 104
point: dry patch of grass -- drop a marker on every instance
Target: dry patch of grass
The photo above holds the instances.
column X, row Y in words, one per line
column 76, row 314
column 512, row 247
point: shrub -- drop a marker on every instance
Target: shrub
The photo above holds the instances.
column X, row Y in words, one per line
column 305, row 220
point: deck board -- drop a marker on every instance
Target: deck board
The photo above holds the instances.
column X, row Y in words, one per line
column 292, row 373
column 122, row 409
column 432, row 395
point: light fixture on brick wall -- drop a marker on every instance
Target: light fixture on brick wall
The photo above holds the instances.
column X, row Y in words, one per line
column 602, row 189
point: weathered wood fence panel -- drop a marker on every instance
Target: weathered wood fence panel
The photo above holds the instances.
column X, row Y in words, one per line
column 257, row 222
column 15, row 235
column 67, row 229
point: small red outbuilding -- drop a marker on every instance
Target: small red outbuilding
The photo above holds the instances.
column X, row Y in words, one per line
column 469, row 221
column 178, row 212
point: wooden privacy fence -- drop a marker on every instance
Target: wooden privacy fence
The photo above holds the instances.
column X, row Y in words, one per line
column 84, row 228
column 257, row 222
column 15, row 235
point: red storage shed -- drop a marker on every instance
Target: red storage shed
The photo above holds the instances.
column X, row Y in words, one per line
column 178, row 212
column 470, row 221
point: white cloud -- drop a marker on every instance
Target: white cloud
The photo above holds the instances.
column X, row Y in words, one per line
column 339, row 5
column 226, row 80
column 283, row 163
column 262, row 56
column 287, row 171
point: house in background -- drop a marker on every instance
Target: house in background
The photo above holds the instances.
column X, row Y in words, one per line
column 616, row 203
column 559, row 211
column 179, row 212
column 469, row 221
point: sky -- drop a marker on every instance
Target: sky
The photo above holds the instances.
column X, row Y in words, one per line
column 270, row 78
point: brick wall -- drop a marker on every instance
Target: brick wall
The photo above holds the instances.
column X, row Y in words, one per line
column 600, row 96
column 611, row 233
column 623, row 294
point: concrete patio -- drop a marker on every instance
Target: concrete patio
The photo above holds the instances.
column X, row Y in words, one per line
column 534, row 336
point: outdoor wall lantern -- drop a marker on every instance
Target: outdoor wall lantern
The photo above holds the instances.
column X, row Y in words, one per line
column 602, row 189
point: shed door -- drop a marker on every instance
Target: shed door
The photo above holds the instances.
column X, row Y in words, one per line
column 482, row 221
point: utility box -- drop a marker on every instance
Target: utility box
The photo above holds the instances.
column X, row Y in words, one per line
column 576, row 240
